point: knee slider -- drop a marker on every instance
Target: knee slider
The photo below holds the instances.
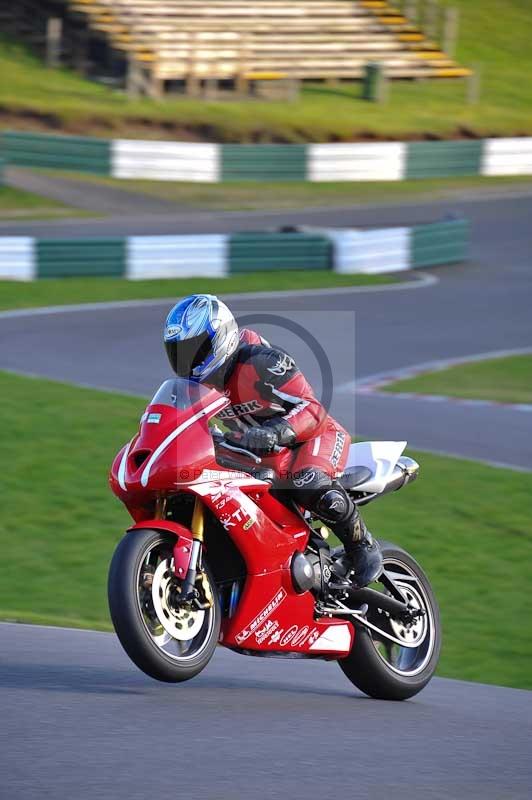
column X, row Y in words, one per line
column 308, row 484
column 334, row 506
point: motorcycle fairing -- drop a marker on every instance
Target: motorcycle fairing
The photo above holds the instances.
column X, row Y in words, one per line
column 380, row 458
column 182, row 550
column 271, row 615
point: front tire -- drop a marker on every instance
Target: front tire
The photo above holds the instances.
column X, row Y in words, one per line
column 384, row 669
column 165, row 641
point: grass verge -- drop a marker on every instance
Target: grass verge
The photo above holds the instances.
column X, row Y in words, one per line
column 274, row 196
column 466, row 523
column 504, row 380
column 61, row 291
column 493, row 34
column 18, row 204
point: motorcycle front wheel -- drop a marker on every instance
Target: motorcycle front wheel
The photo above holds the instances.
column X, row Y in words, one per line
column 167, row 640
column 397, row 661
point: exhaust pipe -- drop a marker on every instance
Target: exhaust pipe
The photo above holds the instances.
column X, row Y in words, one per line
column 406, row 471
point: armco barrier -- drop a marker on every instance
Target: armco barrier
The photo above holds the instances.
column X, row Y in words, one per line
column 258, row 252
column 58, row 152
column 372, row 251
column 220, row 255
column 57, row 258
column 17, row 258
column 382, row 161
column 165, row 161
column 263, row 162
column 443, row 159
column 507, row 157
column 176, row 256
column 213, row 163
column 439, row 243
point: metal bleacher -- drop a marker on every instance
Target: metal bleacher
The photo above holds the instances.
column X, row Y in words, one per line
column 192, row 41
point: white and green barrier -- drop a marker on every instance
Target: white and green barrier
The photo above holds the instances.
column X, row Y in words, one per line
column 24, row 258
column 214, row 163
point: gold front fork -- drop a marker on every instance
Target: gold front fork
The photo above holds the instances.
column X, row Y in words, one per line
column 198, row 526
column 198, row 520
column 160, row 507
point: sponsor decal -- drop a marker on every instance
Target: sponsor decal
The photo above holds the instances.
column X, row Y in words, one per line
column 232, row 518
column 305, row 479
column 311, row 638
column 284, row 365
column 172, row 330
column 338, row 448
column 240, row 409
column 276, row 636
column 153, row 419
column 297, row 409
column 268, row 609
column 299, row 636
column 288, row 635
column 267, row 630
column 217, row 493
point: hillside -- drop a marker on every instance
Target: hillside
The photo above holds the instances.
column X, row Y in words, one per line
column 493, row 33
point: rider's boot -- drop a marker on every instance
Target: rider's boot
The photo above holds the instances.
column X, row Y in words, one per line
column 362, row 561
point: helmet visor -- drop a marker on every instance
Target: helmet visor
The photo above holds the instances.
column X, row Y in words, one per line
column 187, row 354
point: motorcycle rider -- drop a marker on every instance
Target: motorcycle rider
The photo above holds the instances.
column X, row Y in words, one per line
column 272, row 405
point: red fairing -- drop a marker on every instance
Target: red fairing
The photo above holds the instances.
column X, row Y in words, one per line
column 173, row 452
column 271, row 617
column 182, row 547
column 171, row 449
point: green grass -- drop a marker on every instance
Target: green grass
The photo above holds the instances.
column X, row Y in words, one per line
column 257, row 196
column 61, row 291
column 467, row 524
column 18, row 204
column 505, row 380
column 493, row 33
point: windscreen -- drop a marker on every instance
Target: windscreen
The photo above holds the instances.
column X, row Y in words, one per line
column 180, row 393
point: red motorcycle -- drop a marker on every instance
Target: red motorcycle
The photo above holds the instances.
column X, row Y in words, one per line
column 217, row 554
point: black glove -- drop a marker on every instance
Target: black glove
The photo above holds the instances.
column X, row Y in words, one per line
column 284, row 432
column 259, row 440
column 264, row 438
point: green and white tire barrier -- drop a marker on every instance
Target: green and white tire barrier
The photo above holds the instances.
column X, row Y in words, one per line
column 215, row 163
column 24, row 258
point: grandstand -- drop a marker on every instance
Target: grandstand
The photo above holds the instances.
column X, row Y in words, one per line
column 162, row 44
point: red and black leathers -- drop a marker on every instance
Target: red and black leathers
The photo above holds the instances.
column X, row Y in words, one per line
column 265, row 386
column 267, row 391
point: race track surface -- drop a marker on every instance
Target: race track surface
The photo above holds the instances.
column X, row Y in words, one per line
column 478, row 307
column 80, row 721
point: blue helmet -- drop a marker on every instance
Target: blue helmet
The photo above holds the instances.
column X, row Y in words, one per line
column 200, row 335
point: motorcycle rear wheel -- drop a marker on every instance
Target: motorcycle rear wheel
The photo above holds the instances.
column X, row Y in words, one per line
column 169, row 643
column 386, row 670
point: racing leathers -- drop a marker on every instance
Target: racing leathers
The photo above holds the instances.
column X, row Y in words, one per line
column 272, row 404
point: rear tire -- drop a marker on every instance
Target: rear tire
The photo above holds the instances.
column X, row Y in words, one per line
column 404, row 671
column 145, row 555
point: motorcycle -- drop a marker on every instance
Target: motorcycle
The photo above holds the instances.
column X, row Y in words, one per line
column 218, row 555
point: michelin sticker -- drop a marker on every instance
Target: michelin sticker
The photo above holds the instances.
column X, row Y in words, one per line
column 259, row 620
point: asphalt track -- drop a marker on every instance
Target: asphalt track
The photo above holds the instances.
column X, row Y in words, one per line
column 479, row 307
column 79, row 721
